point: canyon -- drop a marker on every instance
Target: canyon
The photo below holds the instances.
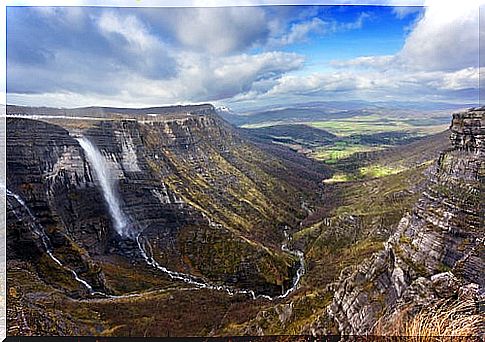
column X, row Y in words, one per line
column 165, row 213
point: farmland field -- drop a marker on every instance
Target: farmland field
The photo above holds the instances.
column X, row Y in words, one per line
column 340, row 138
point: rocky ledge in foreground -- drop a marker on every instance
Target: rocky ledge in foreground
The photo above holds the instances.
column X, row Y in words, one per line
column 437, row 252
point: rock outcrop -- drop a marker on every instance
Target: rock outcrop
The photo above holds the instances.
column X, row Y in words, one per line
column 187, row 182
column 206, row 201
column 437, row 251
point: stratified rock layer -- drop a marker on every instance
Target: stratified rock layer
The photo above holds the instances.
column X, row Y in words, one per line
column 437, row 250
column 209, row 203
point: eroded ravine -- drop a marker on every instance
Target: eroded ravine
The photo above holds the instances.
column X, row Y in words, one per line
column 126, row 228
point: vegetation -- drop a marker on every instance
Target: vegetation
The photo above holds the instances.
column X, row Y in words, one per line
column 456, row 320
column 379, row 123
column 249, row 195
column 369, row 124
column 357, row 219
column 372, row 171
column 376, row 171
column 353, row 145
column 340, row 150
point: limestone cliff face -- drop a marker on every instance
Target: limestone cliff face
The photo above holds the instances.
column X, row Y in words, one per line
column 187, row 182
column 46, row 168
column 438, row 249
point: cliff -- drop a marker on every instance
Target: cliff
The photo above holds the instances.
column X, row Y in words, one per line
column 111, row 112
column 437, row 251
column 213, row 219
column 203, row 201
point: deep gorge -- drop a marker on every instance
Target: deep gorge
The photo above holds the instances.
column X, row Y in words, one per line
column 183, row 208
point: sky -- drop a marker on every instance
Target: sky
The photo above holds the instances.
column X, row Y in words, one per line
column 241, row 57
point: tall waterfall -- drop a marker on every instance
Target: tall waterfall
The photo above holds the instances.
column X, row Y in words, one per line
column 107, row 181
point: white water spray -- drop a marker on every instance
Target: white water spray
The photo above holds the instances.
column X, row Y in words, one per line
column 107, row 182
column 301, row 269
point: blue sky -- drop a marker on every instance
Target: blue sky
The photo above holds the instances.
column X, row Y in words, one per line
column 242, row 57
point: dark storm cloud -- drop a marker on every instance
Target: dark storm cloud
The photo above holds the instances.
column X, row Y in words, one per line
column 172, row 53
column 53, row 50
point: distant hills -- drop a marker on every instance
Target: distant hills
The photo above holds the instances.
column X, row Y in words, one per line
column 293, row 132
column 97, row 111
column 317, row 111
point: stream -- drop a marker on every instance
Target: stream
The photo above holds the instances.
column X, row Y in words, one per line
column 107, row 182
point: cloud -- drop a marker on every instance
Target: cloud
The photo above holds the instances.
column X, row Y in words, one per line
column 378, row 62
column 133, row 32
column 462, row 79
column 222, row 30
column 357, row 24
column 439, row 58
column 148, row 56
column 199, row 78
column 214, row 78
column 402, row 12
column 446, row 38
column 45, row 56
column 73, row 17
column 140, row 49
column 217, row 30
column 137, row 53
column 372, row 84
column 299, row 31
column 321, row 83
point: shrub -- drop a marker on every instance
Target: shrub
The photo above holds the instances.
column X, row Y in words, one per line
column 456, row 320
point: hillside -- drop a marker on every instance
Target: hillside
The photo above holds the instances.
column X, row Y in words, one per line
column 384, row 249
column 336, row 110
column 200, row 199
column 169, row 217
column 436, row 253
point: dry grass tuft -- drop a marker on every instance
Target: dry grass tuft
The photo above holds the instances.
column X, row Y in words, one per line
column 457, row 320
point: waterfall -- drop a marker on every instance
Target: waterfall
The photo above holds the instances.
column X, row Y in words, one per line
column 38, row 230
column 107, row 182
column 121, row 221
column 301, row 268
column 35, row 227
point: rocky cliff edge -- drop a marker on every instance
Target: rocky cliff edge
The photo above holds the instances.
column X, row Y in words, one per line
column 437, row 252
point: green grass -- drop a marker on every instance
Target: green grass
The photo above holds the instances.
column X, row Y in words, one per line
column 369, row 124
column 340, row 150
column 354, row 138
column 376, row 171
column 338, row 177
column 372, row 171
column 347, row 127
